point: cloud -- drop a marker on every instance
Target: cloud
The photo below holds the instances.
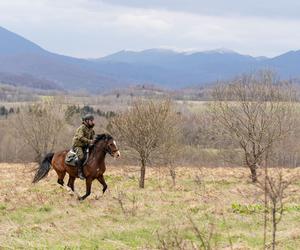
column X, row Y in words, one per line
column 266, row 8
column 93, row 28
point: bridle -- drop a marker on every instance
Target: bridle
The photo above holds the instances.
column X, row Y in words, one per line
column 107, row 149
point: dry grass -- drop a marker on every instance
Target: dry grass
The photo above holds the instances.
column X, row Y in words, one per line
column 205, row 199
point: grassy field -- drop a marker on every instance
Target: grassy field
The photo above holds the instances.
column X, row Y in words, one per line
column 219, row 206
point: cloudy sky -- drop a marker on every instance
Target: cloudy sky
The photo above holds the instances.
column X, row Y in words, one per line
column 95, row 28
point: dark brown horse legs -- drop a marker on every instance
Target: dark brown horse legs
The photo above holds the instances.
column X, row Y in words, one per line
column 61, row 176
column 102, row 181
column 60, row 182
column 71, row 183
column 88, row 188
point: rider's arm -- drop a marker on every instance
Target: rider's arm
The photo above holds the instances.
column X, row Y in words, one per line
column 80, row 136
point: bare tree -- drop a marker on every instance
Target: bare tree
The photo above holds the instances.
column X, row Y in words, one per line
column 40, row 125
column 256, row 111
column 146, row 129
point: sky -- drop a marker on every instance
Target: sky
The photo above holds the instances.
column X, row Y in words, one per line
column 95, row 28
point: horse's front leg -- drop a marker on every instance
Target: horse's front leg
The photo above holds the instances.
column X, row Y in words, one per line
column 102, row 181
column 88, row 184
column 71, row 183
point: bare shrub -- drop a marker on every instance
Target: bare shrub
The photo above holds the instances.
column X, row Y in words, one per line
column 11, row 147
column 204, row 236
column 148, row 131
column 170, row 150
column 39, row 125
column 274, row 184
column 127, row 203
column 172, row 239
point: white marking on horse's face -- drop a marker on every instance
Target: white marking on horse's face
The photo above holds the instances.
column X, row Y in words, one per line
column 117, row 154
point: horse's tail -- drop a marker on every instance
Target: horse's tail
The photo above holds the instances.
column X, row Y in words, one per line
column 44, row 168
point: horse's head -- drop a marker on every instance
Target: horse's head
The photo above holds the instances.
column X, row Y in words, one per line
column 108, row 144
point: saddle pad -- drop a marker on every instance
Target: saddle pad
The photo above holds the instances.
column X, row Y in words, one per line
column 71, row 158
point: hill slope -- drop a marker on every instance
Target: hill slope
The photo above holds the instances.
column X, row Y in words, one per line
column 164, row 68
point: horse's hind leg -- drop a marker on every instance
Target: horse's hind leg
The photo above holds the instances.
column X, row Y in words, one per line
column 71, row 183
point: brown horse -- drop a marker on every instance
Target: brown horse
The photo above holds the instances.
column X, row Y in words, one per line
column 93, row 169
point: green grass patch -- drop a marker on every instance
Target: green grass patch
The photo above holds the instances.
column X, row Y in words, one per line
column 45, row 208
column 2, row 207
column 247, row 209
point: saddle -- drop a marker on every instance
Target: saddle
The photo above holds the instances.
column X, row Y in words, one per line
column 72, row 157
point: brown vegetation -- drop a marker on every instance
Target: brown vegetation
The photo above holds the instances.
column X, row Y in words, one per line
column 210, row 208
column 257, row 113
column 149, row 129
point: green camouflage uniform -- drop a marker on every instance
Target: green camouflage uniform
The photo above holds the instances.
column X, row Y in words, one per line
column 83, row 137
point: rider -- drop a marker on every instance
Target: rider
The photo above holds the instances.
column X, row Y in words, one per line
column 82, row 139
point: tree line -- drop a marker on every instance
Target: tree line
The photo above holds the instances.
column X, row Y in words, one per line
column 4, row 111
column 71, row 110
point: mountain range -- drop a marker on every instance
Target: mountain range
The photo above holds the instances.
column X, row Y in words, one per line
column 24, row 63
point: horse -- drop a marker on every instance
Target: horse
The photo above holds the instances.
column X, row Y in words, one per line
column 93, row 169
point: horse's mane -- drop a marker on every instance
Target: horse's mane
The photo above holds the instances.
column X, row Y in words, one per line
column 100, row 137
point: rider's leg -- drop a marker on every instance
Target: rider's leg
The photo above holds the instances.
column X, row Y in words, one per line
column 79, row 162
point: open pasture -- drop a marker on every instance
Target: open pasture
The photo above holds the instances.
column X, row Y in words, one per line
column 216, row 207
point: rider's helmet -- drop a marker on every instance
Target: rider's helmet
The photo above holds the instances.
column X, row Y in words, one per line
column 87, row 117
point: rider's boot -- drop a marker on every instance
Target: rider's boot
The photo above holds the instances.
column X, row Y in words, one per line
column 80, row 169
